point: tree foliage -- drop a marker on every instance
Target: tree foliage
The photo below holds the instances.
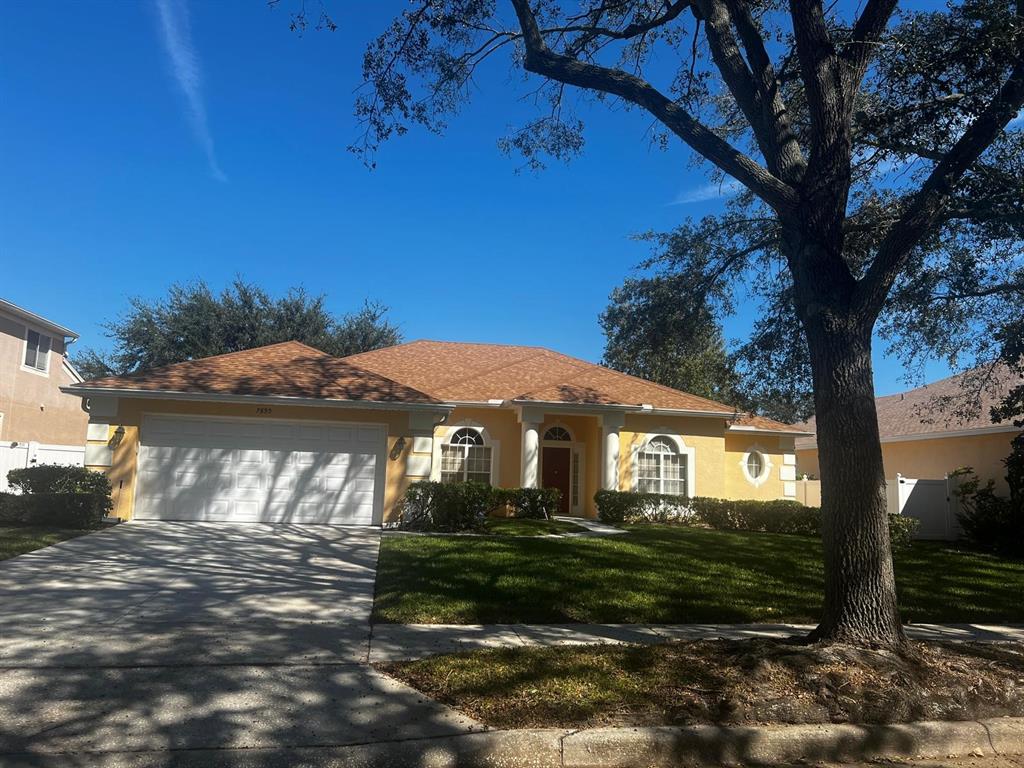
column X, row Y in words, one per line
column 193, row 322
column 646, row 336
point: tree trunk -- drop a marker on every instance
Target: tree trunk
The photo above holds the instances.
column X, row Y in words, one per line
column 860, row 588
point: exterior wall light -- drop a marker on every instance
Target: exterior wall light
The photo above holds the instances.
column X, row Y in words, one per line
column 117, row 437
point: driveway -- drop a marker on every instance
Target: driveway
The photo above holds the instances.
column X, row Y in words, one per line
column 152, row 636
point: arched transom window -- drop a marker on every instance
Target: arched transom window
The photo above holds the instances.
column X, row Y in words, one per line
column 661, row 468
column 465, row 458
column 558, row 434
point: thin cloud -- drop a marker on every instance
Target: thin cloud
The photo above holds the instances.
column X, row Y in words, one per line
column 184, row 61
column 707, row 192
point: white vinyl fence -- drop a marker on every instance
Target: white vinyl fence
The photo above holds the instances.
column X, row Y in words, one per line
column 932, row 502
column 23, row 455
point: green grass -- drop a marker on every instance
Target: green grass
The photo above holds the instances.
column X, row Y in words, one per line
column 18, row 539
column 510, row 526
column 717, row 681
column 663, row 574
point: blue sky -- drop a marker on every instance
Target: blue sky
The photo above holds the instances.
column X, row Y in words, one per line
column 155, row 141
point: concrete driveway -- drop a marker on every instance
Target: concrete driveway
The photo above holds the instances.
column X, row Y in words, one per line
column 150, row 637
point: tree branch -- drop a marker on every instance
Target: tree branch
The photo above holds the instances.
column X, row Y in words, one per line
column 543, row 61
column 867, row 31
column 926, row 204
column 790, row 160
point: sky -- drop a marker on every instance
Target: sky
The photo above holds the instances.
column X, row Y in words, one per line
column 146, row 142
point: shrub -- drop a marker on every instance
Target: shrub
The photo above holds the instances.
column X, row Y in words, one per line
column 10, row 508
column 48, row 478
column 774, row 516
column 634, row 507
column 68, row 510
column 991, row 522
column 528, row 503
column 453, row 507
column 901, row 530
column 447, row 507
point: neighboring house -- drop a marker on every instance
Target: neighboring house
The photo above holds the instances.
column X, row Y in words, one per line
column 923, row 437
column 33, row 368
column 38, row 422
column 289, row 433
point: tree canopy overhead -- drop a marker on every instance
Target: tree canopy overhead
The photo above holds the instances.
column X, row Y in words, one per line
column 881, row 188
column 192, row 322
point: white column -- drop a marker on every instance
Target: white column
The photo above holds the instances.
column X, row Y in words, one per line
column 611, row 424
column 531, row 455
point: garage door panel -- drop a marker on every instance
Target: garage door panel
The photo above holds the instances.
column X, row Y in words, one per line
column 249, row 471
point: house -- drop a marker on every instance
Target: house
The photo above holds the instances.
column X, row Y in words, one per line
column 289, row 433
column 39, row 423
column 923, row 435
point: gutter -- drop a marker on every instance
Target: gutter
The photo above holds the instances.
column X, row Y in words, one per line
column 993, row 430
column 643, row 408
column 149, row 394
column 37, row 320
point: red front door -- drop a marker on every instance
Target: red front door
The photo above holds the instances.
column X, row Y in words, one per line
column 556, row 473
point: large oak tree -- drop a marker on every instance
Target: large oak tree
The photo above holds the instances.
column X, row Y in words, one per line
column 813, row 110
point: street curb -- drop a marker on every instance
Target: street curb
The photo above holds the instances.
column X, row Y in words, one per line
column 599, row 748
column 788, row 744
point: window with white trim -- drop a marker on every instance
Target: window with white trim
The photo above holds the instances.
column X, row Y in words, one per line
column 661, row 468
column 465, row 458
column 756, row 466
column 37, row 351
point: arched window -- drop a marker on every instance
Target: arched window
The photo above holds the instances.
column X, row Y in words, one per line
column 465, row 458
column 558, row 434
column 661, row 468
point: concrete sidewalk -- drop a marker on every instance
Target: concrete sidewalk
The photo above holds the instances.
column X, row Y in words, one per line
column 395, row 642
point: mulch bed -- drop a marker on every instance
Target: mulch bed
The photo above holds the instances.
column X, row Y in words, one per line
column 723, row 682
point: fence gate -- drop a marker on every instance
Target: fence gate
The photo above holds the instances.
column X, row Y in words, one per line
column 932, row 502
column 32, row 454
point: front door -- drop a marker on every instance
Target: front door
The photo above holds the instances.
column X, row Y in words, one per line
column 556, row 474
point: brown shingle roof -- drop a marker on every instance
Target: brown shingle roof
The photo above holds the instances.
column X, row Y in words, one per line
column 289, row 369
column 753, row 421
column 481, row 372
column 420, row 372
column 938, row 407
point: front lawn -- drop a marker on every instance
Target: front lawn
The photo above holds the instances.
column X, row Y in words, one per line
column 718, row 681
column 511, row 526
column 667, row 575
column 18, row 539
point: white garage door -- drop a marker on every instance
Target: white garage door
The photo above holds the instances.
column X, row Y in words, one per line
column 260, row 471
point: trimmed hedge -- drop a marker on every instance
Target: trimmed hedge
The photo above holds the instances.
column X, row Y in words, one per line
column 775, row 516
column 455, row 507
column 67, row 510
column 50, row 478
column 70, row 497
column 634, row 507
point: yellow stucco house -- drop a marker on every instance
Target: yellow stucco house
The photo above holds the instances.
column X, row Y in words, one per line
column 924, row 436
column 289, row 433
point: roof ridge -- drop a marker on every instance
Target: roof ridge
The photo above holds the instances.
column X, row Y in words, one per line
column 645, row 381
column 221, row 356
column 487, row 371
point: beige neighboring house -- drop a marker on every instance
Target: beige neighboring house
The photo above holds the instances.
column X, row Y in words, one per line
column 39, row 424
column 919, row 440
